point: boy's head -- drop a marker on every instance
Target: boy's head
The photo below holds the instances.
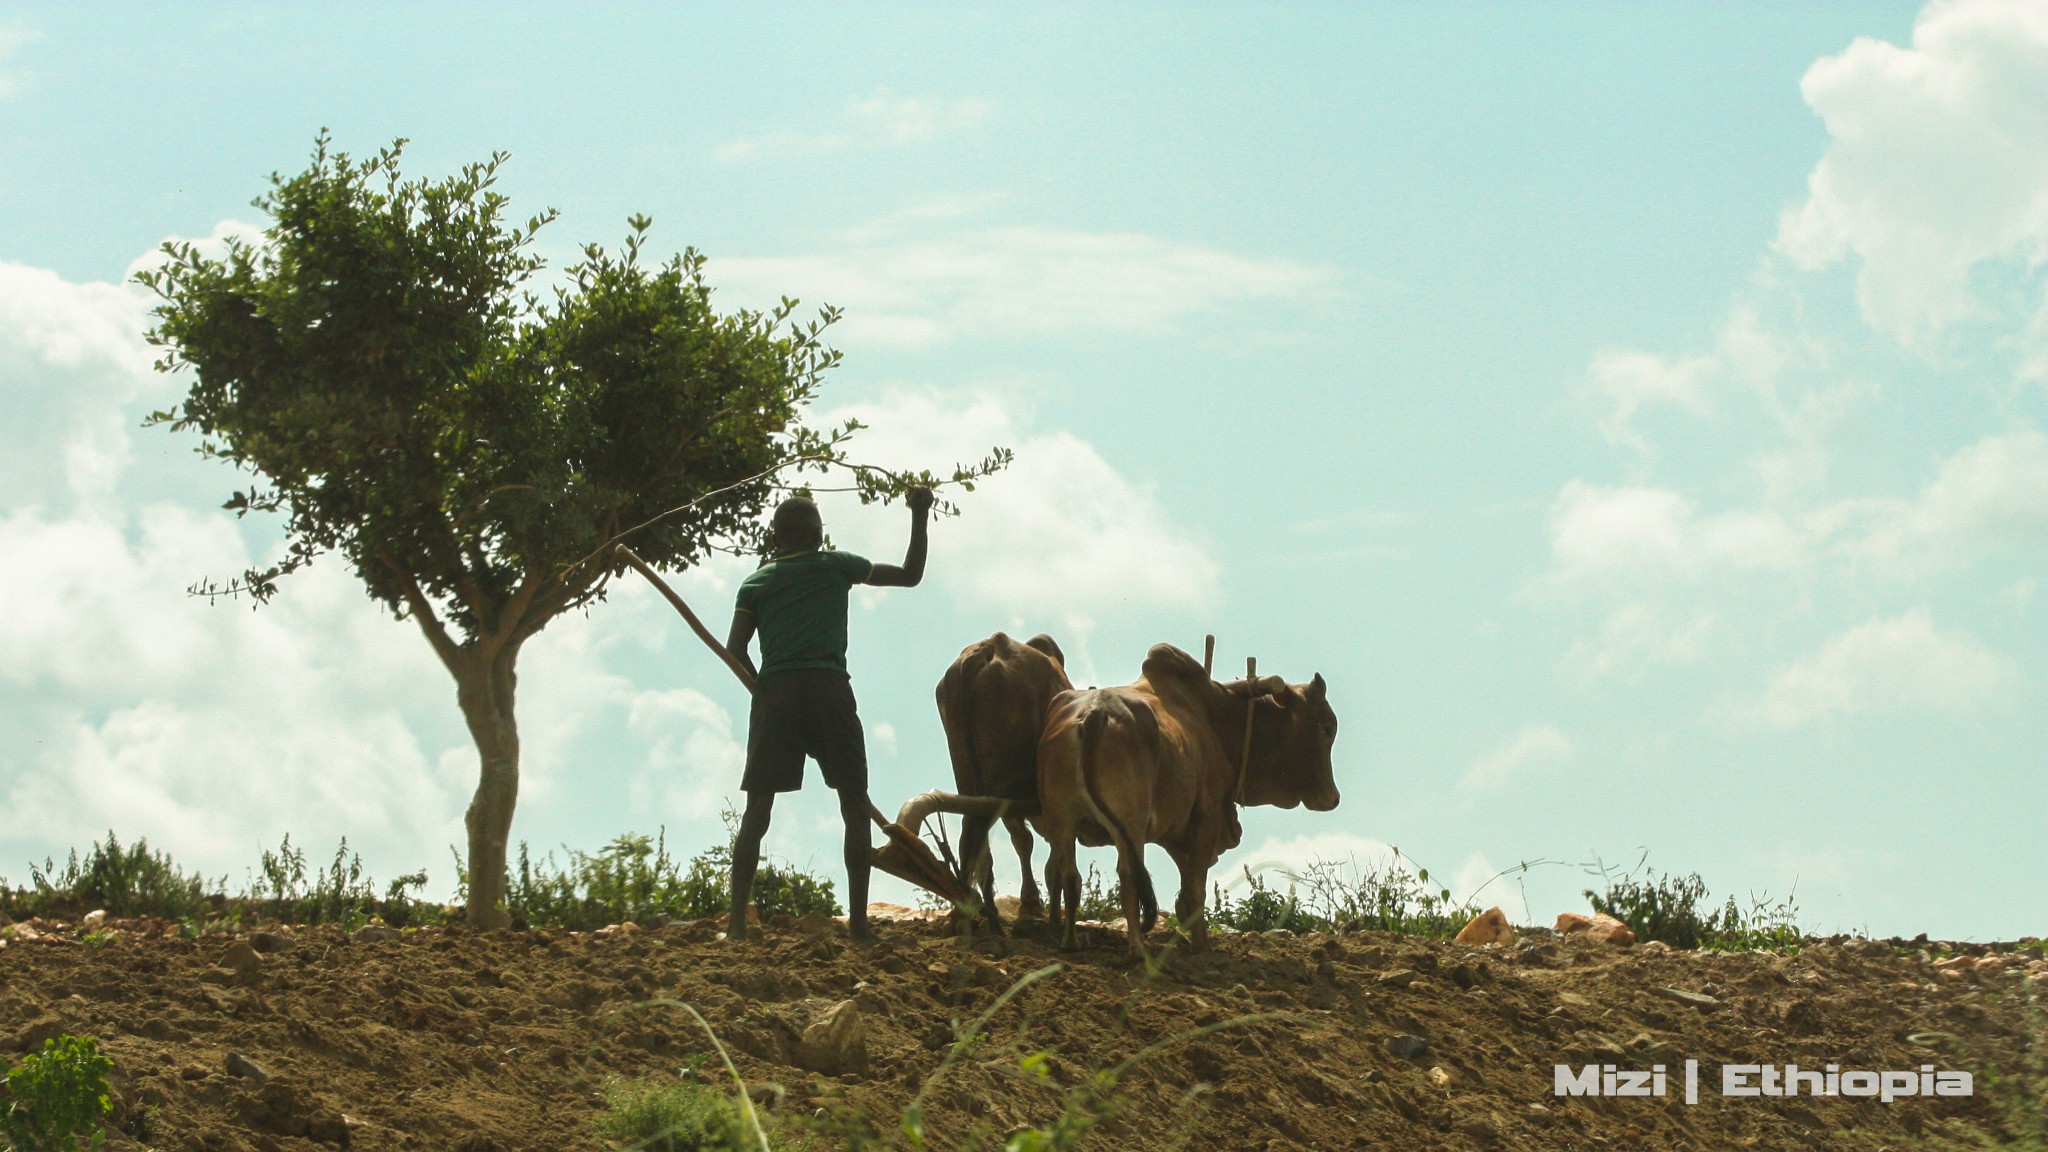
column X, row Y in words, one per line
column 797, row 527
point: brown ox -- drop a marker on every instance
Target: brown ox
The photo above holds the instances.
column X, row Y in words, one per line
column 993, row 702
column 1162, row 761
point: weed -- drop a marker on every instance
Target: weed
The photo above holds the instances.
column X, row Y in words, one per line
column 340, row 894
column 1099, row 901
column 1327, row 896
column 57, row 1096
column 669, row 1115
column 634, row 878
column 1676, row 910
column 131, row 881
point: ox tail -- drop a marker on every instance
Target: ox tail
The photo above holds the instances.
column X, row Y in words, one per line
column 1091, row 742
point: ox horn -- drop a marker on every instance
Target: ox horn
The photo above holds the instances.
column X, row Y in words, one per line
column 1317, row 689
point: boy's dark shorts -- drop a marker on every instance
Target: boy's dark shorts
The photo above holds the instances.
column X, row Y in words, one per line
column 805, row 712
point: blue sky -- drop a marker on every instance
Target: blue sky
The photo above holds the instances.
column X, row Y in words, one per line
column 1634, row 412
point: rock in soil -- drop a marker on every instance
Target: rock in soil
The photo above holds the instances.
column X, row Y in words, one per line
column 1599, row 926
column 836, row 1043
column 1489, row 927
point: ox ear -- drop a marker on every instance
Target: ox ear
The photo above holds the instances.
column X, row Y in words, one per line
column 1270, row 686
column 1317, row 690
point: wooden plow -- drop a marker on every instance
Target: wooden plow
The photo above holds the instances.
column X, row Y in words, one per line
column 904, row 856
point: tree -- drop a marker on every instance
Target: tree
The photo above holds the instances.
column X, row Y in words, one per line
column 407, row 402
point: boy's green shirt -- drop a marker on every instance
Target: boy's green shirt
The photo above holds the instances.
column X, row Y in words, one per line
column 798, row 601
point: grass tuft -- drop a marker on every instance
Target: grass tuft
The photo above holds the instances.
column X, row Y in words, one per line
column 1677, row 911
column 663, row 1114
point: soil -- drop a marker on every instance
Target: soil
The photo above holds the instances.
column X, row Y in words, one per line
column 501, row 1041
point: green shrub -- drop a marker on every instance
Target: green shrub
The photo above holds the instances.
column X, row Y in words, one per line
column 342, row 893
column 634, row 878
column 661, row 1114
column 56, row 1096
column 1099, row 901
column 1326, row 896
column 131, row 881
column 1677, row 911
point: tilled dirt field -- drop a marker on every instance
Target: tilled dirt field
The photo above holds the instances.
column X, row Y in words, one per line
column 452, row 1039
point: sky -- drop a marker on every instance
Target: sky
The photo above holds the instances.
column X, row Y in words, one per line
column 1635, row 412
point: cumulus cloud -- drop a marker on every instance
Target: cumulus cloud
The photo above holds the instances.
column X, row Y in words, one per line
column 1895, row 665
column 1990, row 496
column 1535, row 748
column 1294, row 855
column 1061, row 538
column 13, row 38
column 71, row 355
column 138, row 708
column 1639, row 635
column 1609, row 536
column 693, row 760
column 942, row 273
column 873, row 122
column 1937, row 161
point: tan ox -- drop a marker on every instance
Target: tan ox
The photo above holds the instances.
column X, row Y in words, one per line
column 1163, row 761
column 993, row 702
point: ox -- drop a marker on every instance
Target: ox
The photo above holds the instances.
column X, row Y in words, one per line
column 1164, row 761
column 993, row 702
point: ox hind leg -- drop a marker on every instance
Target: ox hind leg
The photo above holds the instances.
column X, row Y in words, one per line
column 979, row 868
column 1029, row 905
column 1136, row 888
column 1188, row 907
column 1063, row 884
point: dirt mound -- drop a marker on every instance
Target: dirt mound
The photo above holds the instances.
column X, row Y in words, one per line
column 480, row 1041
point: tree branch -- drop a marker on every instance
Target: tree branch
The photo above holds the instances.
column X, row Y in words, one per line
column 445, row 647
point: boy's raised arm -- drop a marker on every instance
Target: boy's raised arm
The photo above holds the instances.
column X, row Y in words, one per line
column 912, row 571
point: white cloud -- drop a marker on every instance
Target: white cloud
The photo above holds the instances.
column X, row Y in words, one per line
column 937, row 274
column 70, row 356
column 139, row 708
column 1535, row 748
column 1624, row 535
column 1480, row 883
column 1748, row 358
column 1274, row 857
column 1896, row 665
column 1637, row 635
column 1057, row 541
column 693, row 761
column 1990, row 496
column 1937, row 162
column 13, row 38
column 874, row 122
column 1633, row 380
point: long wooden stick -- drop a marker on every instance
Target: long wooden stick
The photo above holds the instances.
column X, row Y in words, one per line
column 696, row 625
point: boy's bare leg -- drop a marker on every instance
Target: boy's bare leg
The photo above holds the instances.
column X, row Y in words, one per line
column 746, row 857
column 853, row 808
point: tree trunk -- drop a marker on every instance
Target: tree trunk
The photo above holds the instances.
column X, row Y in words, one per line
column 485, row 690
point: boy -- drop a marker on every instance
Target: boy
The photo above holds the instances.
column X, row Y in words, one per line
column 803, row 701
